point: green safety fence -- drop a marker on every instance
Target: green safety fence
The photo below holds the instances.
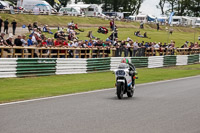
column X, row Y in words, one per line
column 140, row 62
column 35, row 67
column 98, row 64
column 170, row 60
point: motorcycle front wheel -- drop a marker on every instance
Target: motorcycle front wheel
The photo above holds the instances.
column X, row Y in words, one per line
column 120, row 91
column 130, row 93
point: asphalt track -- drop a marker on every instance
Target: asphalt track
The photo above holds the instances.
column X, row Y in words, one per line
column 165, row 107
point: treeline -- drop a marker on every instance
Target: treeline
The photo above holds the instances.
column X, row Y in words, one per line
column 131, row 6
column 180, row 7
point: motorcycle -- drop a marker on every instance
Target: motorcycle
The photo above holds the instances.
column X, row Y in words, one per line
column 125, row 81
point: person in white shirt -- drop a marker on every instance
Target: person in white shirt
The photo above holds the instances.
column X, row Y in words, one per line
column 34, row 38
column 135, row 48
column 157, row 45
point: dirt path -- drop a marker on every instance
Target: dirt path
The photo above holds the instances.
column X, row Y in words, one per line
column 19, row 31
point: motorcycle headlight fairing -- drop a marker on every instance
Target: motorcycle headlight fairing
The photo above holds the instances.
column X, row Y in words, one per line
column 120, row 73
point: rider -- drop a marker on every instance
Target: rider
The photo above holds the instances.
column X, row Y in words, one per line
column 132, row 68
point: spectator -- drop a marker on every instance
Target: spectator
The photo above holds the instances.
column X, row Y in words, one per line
column 135, row 48
column 23, row 40
column 3, row 42
column 9, row 40
column 112, row 24
column 30, row 42
column 158, row 26
column 14, row 26
column 171, row 31
column 49, row 42
column 18, row 42
column 6, row 23
column 1, row 22
column 30, row 27
column 141, row 25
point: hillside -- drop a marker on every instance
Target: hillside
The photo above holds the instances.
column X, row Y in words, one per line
column 126, row 29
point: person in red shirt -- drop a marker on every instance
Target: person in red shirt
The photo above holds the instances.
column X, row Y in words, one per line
column 44, row 43
column 57, row 42
column 64, row 44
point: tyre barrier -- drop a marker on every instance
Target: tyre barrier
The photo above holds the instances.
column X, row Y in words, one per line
column 71, row 66
column 46, row 66
column 35, row 67
column 8, row 68
column 156, row 61
column 169, row 61
column 181, row 60
column 98, row 64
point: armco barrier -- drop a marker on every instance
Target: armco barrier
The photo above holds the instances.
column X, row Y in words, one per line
column 71, row 66
column 181, row 60
column 156, row 61
column 7, row 67
column 169, row 60
column 98, row 64
column 140, row 62
column 35, row 67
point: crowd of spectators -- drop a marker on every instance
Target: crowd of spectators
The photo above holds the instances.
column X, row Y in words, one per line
column 68, row 38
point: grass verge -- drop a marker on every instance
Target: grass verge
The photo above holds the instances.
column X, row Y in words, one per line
column 15, row 89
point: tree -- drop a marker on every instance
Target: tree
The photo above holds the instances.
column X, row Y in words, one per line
column 161, row 6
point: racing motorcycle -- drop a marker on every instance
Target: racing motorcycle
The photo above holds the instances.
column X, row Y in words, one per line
column 125, row 81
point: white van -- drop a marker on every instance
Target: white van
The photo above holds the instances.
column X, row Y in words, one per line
column 197, row 23
column 176, row 20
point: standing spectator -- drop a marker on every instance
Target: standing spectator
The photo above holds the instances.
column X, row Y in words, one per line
column 1, row 22
column 18, row 42
column 30, row 42
column 14, row 26
column 112, row 24
column 135, row 48
column 141, row 25
column 2, row 40
column 6, row 23
column 158, row 26
column 23, row 40
column 9, row 41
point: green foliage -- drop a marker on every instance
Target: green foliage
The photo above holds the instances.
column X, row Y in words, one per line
column 181, row 7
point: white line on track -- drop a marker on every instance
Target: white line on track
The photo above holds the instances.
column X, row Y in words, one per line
column 67, row 95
